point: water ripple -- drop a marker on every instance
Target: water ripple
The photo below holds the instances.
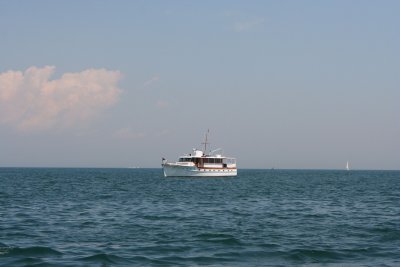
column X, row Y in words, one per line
column 135, row 217
column 104, row 258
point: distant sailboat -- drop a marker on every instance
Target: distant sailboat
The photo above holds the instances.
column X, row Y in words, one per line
column 347, row 166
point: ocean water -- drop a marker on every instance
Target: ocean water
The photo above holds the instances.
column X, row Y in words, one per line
column 136, row 217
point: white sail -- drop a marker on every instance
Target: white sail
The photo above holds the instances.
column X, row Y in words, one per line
column 347, row 166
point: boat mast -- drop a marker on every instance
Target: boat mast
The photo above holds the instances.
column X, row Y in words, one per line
column 206, row 142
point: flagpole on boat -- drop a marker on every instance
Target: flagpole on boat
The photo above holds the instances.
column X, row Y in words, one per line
column 206, row 142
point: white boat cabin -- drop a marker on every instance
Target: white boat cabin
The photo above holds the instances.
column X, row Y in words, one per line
column 201, row 160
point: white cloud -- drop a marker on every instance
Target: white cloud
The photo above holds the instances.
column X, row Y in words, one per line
column 151, row 81
column 29, row 100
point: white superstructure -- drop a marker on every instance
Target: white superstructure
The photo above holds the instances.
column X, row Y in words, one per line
column 198, row 163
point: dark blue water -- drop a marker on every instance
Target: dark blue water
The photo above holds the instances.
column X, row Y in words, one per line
column 136, row 217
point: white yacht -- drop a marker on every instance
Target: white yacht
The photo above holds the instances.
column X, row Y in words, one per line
column 199, row 163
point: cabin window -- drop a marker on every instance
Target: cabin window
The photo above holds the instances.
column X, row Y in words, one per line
column 231, row 161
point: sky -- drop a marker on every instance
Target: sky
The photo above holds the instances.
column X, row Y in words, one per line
column 279, row 84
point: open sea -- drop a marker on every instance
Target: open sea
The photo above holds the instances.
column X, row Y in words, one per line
column 136, row 217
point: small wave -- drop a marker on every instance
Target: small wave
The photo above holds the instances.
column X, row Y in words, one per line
column 388, row 252
column 27, row 261
column 249, row 254
column 105, row 196
column 146, row 261
column 88, row 224
column 164, row 249
column 313, row 255
column 159, row 217
column 30, row 256
column 21, row 215
column 105, row 258
column 4, row 196
column 269, row 245
column 225, row 239
column 212, row 235
column 4, row 250
column 387, row 233
column 33, row 251
column 194, row 259
column 17, row 232
column 383, row 229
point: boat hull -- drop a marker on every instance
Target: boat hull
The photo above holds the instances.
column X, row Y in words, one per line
column 171, row 170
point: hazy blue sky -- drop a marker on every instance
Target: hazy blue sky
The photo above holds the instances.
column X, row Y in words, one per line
column 284, row 84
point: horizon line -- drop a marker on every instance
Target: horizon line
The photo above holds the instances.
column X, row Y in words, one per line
column 272, row 169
